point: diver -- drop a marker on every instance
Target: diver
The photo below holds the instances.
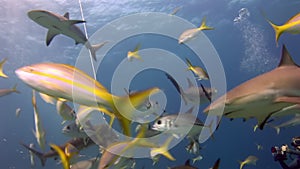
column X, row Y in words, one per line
column 280, row 154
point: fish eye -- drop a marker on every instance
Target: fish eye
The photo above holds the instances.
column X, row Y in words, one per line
column 68, row 127
column 159, row 122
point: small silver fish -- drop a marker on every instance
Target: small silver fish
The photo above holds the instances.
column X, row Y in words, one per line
column 74, row 131
column 178, row 124
column 65, row 111
column 32, row 162
column 18, row 111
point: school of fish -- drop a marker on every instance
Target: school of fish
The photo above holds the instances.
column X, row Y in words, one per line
column 271, row 95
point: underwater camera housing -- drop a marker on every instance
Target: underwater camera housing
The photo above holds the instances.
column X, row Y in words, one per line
column 280, row 153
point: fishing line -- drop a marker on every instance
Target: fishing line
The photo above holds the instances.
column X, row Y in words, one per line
column 86, row 36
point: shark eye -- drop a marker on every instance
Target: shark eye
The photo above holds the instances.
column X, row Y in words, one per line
column 159, row 122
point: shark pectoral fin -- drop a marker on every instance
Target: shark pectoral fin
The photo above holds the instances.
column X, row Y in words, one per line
column 50, row 35
column 72, row 22
column 288, row 99
column 262, row 120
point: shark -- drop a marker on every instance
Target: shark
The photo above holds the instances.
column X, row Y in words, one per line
column 58, row 24
column 272, row 94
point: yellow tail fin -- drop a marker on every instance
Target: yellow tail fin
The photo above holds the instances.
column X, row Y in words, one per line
column 125, row 106
column 241, row 164
column 2, row 74
column 278, row 31
column 189, row 64
column 204, row 26
column 64, row 158
column 135, row 53
column 163, row 150
column 15, row 89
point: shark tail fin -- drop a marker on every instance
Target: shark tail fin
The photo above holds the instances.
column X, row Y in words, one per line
column 163, row 150
column 203, row 25
column 14, row 89
column 37, row 153
column 2, row 74
column 94, row 48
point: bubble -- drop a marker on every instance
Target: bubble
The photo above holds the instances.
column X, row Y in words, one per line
column 257, row 57
column 243, row 14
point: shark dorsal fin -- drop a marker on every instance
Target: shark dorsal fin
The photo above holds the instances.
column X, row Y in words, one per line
column 67, row 15
column 286, row 59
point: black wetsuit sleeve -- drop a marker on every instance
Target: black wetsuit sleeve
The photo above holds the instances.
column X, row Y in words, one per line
column 283, row 165
column 295, row 164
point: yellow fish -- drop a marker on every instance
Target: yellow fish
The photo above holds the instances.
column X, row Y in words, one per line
column 134, row 53
column 65, row 155
column 39, row 130
column 191, row 33
column 65, row 82
column 198, row 71
column 2, row 74
column 121, row 151
column 249, row 160
column 292, row 26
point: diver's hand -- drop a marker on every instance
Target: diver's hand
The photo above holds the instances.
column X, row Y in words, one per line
column 280, row 157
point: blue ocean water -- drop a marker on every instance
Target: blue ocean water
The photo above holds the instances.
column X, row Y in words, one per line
column 246, row 50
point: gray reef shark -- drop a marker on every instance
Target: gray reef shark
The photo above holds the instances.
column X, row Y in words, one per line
column 273, row 93
column 57, row 24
